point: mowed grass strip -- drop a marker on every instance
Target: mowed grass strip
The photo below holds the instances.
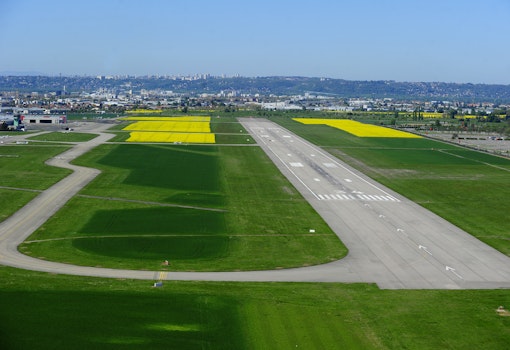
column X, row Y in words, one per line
column 254, row 222
column 187, row 175
column 24, row 174
column 218, row 315
column 14, row 200
column 467, row 188
column 24, row 166
column 64, row 136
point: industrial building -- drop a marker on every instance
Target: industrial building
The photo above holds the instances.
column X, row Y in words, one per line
column 35, row 115
column 44, row 119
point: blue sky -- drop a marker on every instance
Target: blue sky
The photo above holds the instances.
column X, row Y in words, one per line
column 403, row 40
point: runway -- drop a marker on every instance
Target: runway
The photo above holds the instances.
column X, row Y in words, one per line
column 392, row 241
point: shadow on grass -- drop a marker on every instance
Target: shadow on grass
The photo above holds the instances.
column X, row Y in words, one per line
column 156, row 248
column 159, row 220
column 108, row 320
column 190, row 168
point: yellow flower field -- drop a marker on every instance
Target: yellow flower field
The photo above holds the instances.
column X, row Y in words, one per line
column 171, row 137
column 432, row 115
column 203, row 127
column 142, row 111
column 358, row 129
column 170, row 129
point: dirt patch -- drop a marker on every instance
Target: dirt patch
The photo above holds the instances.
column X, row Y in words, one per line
column 368, row 170
column 287, row 190
column 355, row 163
column 396, row 172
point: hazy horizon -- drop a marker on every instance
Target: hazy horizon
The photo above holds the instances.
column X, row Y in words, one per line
column 401, row 40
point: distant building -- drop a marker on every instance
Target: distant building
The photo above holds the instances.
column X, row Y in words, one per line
column 11, row 123
column 44, row 119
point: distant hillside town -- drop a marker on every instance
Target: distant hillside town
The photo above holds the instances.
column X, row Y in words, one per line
column 237, row 85
column 47, row 99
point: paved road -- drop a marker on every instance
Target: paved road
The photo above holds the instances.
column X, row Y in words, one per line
column 392, row 241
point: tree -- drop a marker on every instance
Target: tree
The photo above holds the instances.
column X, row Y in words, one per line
column 452, row 113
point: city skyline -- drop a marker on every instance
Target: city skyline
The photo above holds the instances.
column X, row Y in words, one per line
column 450, row 41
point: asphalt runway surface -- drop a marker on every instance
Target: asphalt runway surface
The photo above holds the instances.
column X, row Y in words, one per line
column 392, row 241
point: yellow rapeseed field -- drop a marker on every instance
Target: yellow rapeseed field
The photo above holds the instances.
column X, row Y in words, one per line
column 142, row 111
column 432, row 115
column 171, row 137
column 170, row 126
column 357, row 128
column 170, row 129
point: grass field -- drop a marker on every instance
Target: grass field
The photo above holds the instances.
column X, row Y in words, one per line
column 191, row 205
column 23, row 166
column 93, row 313
column 468, row 188
column 51, row 311
column 23, row 174
column 63, row 136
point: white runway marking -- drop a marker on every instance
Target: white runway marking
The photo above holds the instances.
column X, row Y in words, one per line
column 360, row 197
column 296, row 165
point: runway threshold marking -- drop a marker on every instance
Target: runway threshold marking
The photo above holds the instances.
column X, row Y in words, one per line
column 361, row 197
column 335, row 161
column 162, row 275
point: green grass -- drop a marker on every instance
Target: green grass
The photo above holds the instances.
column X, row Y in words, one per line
column 82, row 312
column 43, row 311
column 23, row 166
column 186, row 175
column 191, row 205
column 468, row 188
column 13, row 200
column 23, row 174
column 64, row 136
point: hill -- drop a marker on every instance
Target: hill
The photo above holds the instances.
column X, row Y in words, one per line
column 276, row 85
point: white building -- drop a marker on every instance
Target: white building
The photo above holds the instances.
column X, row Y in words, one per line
column 43, row 119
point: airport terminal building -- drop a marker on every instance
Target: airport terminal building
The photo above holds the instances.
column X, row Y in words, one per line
column 35, row 115
column 43, row 119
